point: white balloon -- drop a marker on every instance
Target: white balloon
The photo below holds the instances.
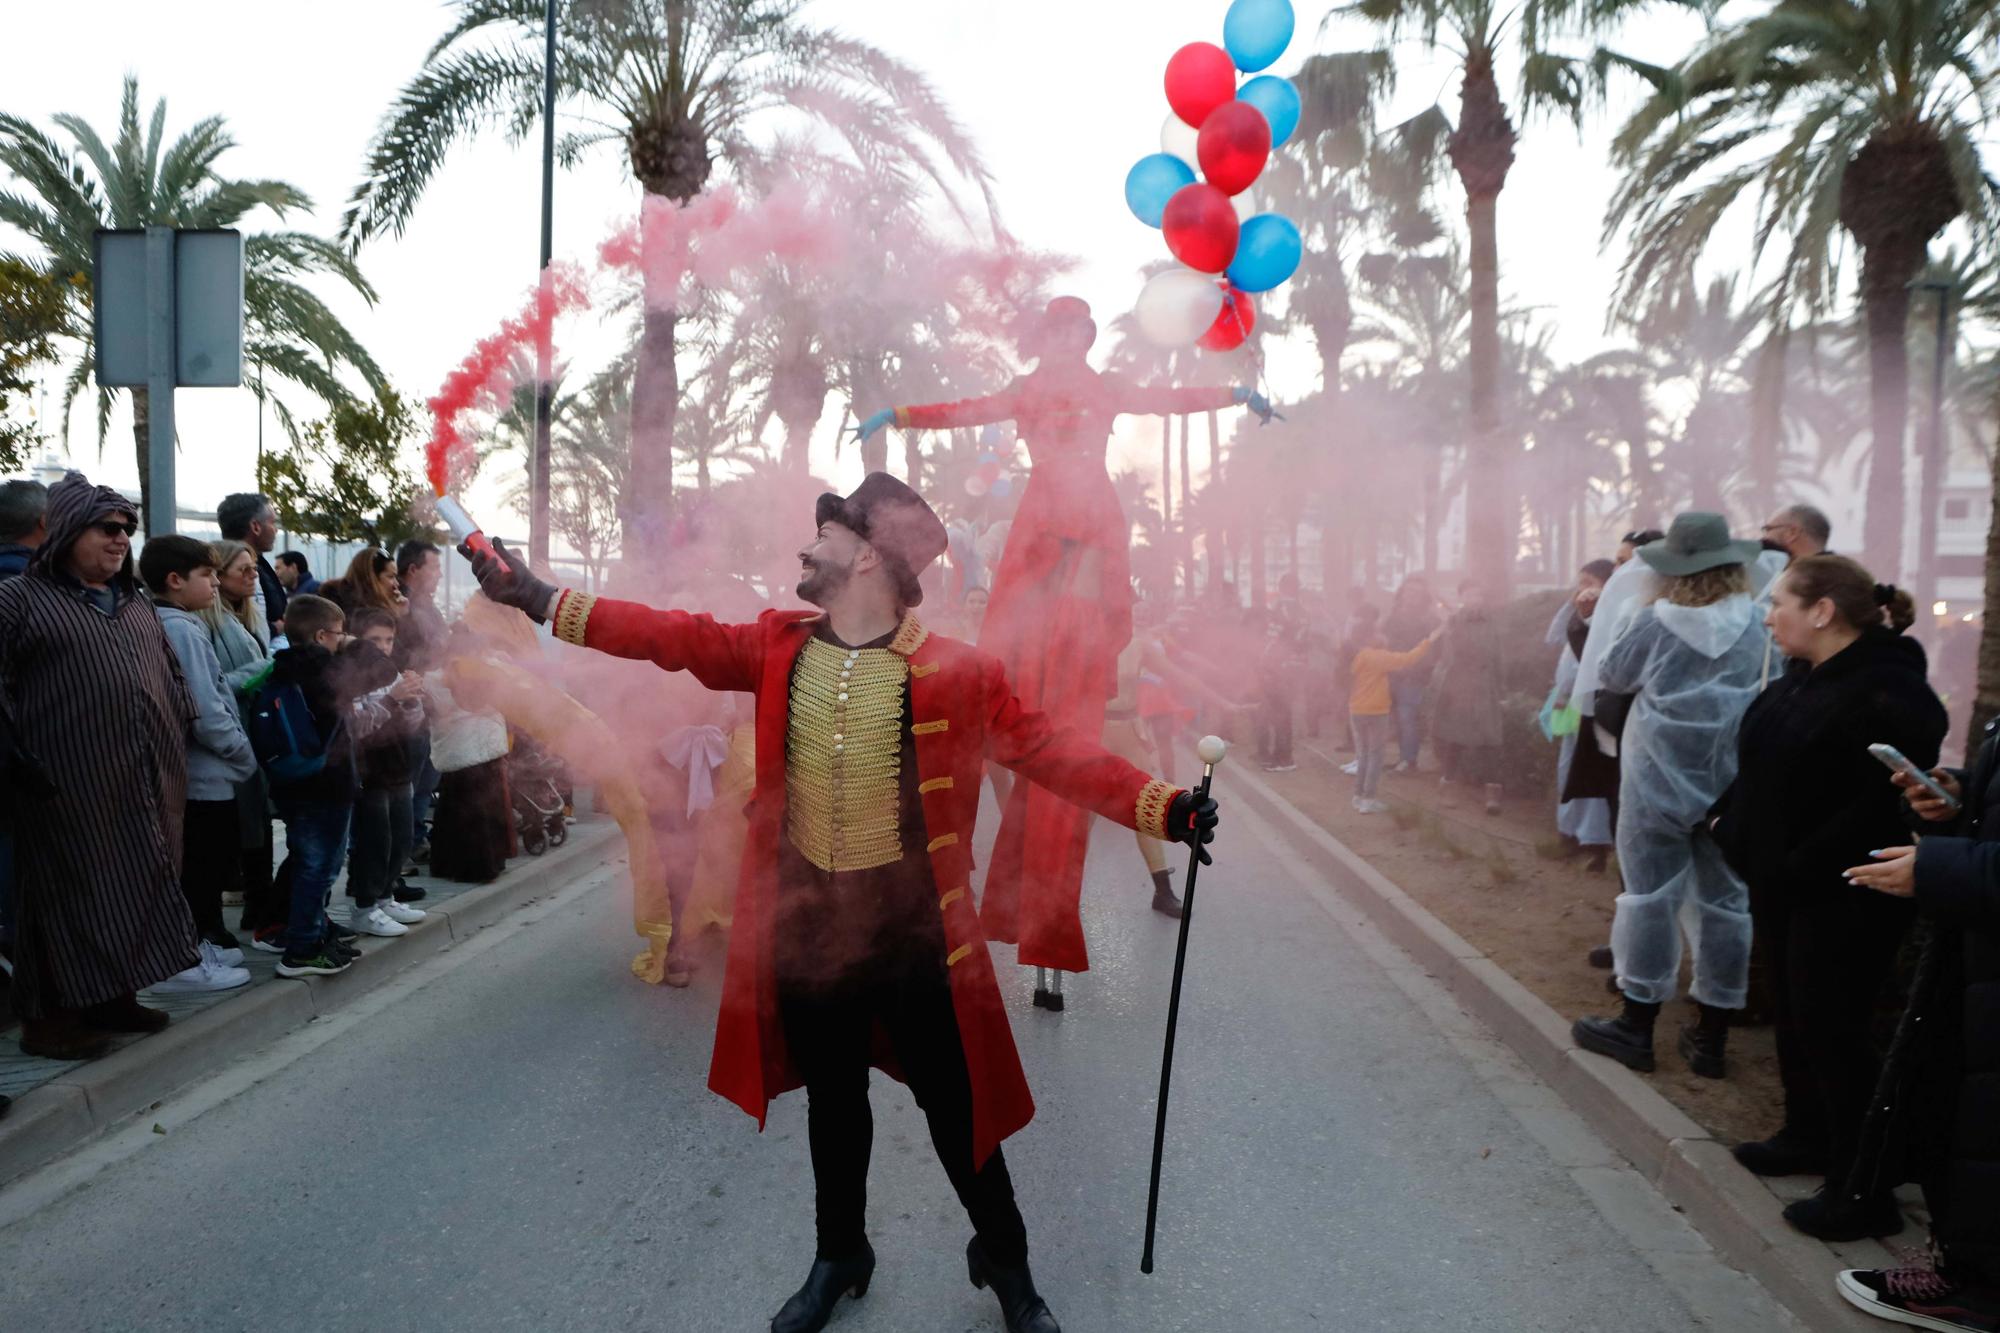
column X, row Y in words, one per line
column 1180, row 139
column 1178, row 306
column 1247, row 205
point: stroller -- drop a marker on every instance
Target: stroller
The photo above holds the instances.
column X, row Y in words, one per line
column 542, row 797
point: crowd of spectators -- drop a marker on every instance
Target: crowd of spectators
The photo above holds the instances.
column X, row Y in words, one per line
column 159, row 714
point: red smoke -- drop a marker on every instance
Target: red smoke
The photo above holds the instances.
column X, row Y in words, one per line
column 715, row 235
column 483, row 376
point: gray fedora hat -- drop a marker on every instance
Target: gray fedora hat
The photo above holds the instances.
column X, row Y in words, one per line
column 1697, row 541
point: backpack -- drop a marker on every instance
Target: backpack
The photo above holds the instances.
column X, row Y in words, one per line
column 283, row 734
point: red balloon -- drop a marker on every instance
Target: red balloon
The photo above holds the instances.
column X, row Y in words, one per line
column 1233, row 325
column 1200, row 78
column 1235, row 143
column 1201, row 228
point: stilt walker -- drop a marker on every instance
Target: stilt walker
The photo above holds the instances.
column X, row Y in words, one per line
column 1061, row 608
column 854, row 922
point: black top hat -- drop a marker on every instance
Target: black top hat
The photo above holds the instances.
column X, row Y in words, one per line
column 893, row 519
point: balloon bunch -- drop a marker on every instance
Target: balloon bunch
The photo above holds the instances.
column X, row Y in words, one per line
column 1228, row 249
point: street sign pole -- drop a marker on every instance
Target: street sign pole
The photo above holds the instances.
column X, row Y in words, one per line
column 160, row 374
column 538, row 472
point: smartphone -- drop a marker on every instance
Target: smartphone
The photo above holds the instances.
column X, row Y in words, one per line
column 1896, row 761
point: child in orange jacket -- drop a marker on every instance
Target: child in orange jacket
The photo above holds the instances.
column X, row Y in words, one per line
column 1368, row 703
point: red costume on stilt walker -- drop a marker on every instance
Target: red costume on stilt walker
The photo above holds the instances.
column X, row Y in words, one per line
column 1061, row 608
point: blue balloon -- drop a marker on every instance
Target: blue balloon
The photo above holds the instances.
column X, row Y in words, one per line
column 1267, row 253
column 1278, row 100
column 1155, row 180
column 1257, row 32
column 1001, row 488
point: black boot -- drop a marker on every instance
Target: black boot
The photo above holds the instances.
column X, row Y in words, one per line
column 1788, row 1152
column 812, row 1305
column 1628, row 1038
column 1020, row 1305
column 1165, row 901
column 1600, row 957
column 1832, row 1214
column 1702, row 1043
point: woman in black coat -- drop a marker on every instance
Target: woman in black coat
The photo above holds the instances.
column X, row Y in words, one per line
column 1808, row 802
column 1953, row 1032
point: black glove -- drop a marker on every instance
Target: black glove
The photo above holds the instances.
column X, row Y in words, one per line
column 1192, row 819
column 506, row 579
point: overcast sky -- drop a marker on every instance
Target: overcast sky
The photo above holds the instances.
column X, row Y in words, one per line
column 1062, row 95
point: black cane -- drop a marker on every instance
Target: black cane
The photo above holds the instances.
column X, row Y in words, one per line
column 1211, row 750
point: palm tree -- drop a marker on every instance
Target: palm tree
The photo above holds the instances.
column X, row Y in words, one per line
column 679, row 84
column 141, row 180
column 1479, row 33
column 1836, row 116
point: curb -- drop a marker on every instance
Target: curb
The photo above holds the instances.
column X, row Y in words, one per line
column 95, row 1097
column 1695, row 1172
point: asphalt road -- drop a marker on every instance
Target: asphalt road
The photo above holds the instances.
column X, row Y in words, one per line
column 517, row 1136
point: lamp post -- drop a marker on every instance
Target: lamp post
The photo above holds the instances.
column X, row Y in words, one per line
column 1934, row 460
column 538, row 468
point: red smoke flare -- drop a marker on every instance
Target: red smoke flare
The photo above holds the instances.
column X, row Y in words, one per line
column 483, row 376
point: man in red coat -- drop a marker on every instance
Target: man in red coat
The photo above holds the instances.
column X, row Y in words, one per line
column 856, row 941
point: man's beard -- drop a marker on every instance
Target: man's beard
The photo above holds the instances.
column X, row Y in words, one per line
column 823, row 582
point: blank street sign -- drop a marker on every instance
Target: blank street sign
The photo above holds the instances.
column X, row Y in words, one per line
column 208, row 309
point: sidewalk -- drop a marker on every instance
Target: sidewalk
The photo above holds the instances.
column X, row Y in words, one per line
column 1687, row 1160
column 59, row 1105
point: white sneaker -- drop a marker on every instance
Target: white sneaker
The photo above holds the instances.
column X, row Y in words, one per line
column 226, row 957
column 209, row 974
column 1351, row 767
column 375, row 922
column 1373, row 807
column 400, row 912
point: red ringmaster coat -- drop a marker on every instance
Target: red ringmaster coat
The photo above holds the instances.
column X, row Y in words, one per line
column 963, row 712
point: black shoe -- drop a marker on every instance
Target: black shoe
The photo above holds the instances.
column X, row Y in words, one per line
column 1832, row 1214
column 1020, row 1305
column 1701, row 1045
column 1785, row 1153
column 1048, row 999
column 124, row 1014
column 1628, row 1038
column 1600, row 957
column 222, row 939
column 830, row 1279
column 1165, row 901
column 410, row 893
column 342, row 934
column 1921, row 1298
column 5, row 1102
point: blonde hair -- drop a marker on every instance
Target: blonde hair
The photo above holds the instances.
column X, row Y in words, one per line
column 1705, row 587
column 245, row 615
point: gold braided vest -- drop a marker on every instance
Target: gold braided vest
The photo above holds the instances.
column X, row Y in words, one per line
column 844, row 755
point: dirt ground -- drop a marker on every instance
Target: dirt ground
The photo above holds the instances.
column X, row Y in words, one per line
column 1497, row 881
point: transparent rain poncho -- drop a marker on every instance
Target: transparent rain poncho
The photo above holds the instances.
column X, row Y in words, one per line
column 1694, row 670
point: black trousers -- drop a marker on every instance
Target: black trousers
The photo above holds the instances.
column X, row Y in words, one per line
column 1829, row 951
column 211, row 862
column 1274, row 723
column 830, row 1033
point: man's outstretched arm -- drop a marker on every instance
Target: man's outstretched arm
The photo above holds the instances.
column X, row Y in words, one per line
column 722, row 657
column 1081, row 771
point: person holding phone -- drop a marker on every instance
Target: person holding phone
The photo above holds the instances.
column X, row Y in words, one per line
column 1809, row 801
column 1952, row 1103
